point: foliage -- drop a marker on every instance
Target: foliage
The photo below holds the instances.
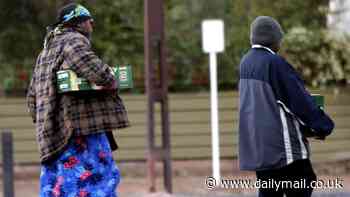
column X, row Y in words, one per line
column 22, row 26
column 118, row 35
column 321, row 56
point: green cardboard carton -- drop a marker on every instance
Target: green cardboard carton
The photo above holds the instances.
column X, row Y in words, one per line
column 319, row 99
column 68, row 81
column 125, row 79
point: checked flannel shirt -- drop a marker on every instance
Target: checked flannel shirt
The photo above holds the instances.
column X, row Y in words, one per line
column 58, row 117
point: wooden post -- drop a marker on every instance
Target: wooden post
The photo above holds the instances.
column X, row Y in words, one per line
column 7, row 161
column 157, row 91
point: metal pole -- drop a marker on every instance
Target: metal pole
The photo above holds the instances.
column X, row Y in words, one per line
column 7, row 160
column 167, row 168
column 149, row 76
column 157, row 91
column 166, row 133
column 214, row 116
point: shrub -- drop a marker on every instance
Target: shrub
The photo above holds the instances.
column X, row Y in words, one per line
column 321, row 56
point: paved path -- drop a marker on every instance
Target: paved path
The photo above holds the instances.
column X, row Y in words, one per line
column 316, row 194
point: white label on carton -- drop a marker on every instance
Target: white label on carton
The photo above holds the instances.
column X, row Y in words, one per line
column 62, row 75
column 64, row 86
column 79, row 81
column 123, row 75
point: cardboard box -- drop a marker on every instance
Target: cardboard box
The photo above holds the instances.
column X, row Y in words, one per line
column 319, row 99
column 308, row 132
column 68, row 81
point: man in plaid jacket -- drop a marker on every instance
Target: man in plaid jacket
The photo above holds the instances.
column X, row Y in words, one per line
column 60, row 117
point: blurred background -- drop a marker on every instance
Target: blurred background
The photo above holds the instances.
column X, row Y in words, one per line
column 319, row 49
column 316, row 43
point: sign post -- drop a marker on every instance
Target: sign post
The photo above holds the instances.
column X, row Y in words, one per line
column 213, row 43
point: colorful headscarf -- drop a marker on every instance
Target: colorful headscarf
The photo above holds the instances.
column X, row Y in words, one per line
column 77, row 12
column 73, row 13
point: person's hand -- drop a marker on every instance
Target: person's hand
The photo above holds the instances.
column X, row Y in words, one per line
column 309, row 133
column 320, row 138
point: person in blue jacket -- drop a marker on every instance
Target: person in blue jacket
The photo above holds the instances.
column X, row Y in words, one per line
column 276, row 114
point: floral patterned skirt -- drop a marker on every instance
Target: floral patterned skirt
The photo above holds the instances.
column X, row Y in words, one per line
column 85, row 169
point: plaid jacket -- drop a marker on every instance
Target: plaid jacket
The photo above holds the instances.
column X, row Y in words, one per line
column 59, row 116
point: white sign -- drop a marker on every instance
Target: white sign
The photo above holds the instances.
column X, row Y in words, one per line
column 213, row 36
column 213, row 43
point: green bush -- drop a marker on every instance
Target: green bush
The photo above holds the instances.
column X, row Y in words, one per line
column 118, row 37
column 321, row 56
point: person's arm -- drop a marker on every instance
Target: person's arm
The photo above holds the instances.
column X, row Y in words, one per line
column 290, row 90
column 31, row 99
column 83, row 61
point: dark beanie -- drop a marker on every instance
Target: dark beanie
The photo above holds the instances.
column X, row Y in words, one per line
column 265, row 31
column 73, row 14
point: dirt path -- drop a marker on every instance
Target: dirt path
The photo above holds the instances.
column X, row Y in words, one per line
column 188, row 181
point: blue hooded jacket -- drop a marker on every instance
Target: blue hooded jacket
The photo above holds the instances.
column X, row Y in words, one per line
column 275, row 113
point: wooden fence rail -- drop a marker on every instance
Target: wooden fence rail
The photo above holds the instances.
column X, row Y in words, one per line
column 190, row 128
